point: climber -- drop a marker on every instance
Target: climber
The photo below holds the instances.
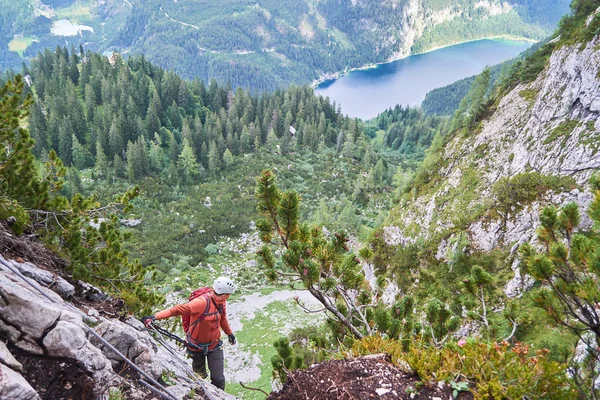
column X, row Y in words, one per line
column 207, row 315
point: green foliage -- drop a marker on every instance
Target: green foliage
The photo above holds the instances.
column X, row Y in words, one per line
column 115, row 393
column 285, row 361
column 446, row 100
column 528, row 94
column 320, row 260
column 530, row 67
column 513, row 193
column 473, row 104
column 33, row 197
column 491, row 369
column 567, row 268
column 409, row 130
column 441, row 321
column 563, row 131
column 458, row 387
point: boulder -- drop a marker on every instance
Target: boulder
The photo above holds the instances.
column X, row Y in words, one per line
column 45, row 278
column 54, row 328
column 13, row 386
column 8, row 359
column 137, row 346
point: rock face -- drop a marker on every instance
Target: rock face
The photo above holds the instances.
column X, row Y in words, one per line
column 52, row 333
column 550, row 126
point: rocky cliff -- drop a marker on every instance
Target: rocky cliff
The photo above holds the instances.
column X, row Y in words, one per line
column 47, row 349
column 540, row 132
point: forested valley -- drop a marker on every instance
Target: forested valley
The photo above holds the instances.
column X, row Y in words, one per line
column 407, row 229
column 120, row 123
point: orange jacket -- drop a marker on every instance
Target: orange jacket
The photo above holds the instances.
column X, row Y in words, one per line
column 206, row 331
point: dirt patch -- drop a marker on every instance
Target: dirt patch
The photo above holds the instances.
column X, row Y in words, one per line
column 360, row 378
column 28, row 248
column 55, row 378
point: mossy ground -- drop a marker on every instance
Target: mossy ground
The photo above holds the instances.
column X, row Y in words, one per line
column 276, row 320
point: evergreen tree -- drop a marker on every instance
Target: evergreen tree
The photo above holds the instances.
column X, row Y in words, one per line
column 272, row 142
column 101, row 165
column 324, row 265
column 65, row 144
column 214, row 159
column 37, row 128
column 81, row 157
column 187, row 165
column 567, row 269
column 115, row 139
column 228, row 158
column 18, row 170
column 119, row 166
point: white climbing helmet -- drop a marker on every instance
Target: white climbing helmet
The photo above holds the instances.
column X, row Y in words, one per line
column 223, row 285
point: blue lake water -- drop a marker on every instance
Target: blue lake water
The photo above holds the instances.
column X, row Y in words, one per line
column 366, row 93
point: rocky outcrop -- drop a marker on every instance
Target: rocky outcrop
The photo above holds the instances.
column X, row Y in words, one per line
column 550, row 126
column 53, row 332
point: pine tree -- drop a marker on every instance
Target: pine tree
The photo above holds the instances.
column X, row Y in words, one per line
column 119, row 166
column 81, row 157
column 272, row 144
column 324, row 264
column 65, row 143
column 187, row 165
column 17, row 172
column 214, row 159
column 567, row 269
column 37, row 128
column 101, row 160
column 228, row 158
column 115, row 140
column 155, row 155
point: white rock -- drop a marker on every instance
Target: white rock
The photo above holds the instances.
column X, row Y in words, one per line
column 8, row 359
column 14, row 387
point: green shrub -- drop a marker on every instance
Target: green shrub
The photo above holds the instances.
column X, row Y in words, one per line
column 495, row 370
column 513, row 193
column 562, row 130
column 11, row 208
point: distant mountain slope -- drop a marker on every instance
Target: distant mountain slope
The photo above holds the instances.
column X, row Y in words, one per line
column 267, row 44
column 484, row 186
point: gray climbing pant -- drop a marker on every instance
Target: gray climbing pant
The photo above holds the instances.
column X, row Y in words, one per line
column 215, row 365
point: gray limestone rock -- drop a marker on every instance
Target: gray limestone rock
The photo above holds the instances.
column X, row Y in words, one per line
column 14, row 387
column 45, row 278
column 8, row 359
column 138, row 346
column 55, row 328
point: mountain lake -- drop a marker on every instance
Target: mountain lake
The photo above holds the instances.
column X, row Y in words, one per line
column 365, row 93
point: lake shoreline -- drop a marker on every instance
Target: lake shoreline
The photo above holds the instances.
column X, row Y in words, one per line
column 339, row 74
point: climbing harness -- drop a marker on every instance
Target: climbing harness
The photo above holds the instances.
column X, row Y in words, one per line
column 157, row 388
column 192, row 347
column 170, row 349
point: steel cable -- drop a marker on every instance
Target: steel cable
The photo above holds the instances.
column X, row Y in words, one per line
column 160, row 388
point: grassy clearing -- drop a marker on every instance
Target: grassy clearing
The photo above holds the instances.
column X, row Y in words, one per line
column 257, row 336
column 20, row 44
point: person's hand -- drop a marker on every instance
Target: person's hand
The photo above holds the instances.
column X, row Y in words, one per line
column 148, row 320
column 231, row 339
